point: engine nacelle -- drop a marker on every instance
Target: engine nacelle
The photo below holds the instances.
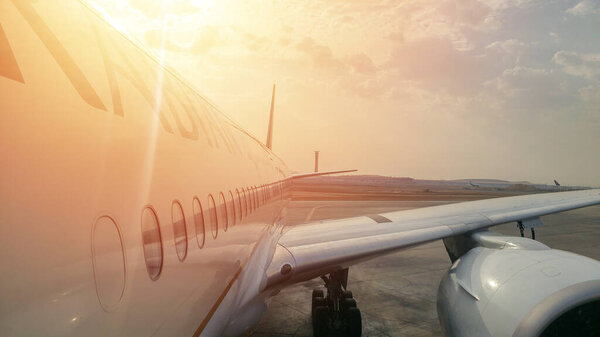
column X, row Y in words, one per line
column 513, row 286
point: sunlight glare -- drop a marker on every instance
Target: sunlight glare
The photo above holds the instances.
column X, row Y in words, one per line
column 117, row 24
column 153, row 131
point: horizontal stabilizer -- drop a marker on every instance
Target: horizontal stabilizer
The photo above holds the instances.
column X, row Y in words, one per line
column 314, row 174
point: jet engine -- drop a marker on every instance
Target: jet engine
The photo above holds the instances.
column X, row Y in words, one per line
column 513, row 286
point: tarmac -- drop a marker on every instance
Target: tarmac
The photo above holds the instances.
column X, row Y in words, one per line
column 397, row 293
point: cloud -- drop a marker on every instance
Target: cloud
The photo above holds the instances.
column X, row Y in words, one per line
column 255, row 43
column 360, row 63
column 506, row 4
column 591, row 95
column 204, row 40
column 320, row 55
column 154, row 10
column 534, row 89
column 506, row 53
column 470, row 12
column 572, row 63
column 354, row 73
column 585, row 7
column 285, row 41
column 510, row 47
column 436, row 64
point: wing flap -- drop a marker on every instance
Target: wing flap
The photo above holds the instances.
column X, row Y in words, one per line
column 318, row 248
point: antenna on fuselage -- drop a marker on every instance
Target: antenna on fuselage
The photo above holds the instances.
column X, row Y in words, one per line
column 270, row 131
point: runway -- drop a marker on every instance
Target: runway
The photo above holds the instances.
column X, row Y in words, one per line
column 397, row 293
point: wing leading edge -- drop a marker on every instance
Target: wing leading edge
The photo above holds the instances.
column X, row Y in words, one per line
column 308, row 251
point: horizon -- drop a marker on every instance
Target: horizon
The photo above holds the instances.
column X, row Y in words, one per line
column 457, row 180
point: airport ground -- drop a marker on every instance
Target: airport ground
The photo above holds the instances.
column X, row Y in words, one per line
column 397, row 293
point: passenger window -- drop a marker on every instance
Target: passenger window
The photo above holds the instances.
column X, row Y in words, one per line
column 212, row 215
column 198, row 221
column 222, row 212
column 239, row 204
column 152, row 243
column 231, row 209
column 179, row 230
column 256, row 198
column 245, row 203
column 257, row 193
column 261, row 194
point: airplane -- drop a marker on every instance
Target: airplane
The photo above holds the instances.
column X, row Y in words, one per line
column 556, row 183
column 473, row 185
column 131, row 206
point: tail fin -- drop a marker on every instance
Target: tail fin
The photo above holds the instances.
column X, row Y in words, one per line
column 270, row 132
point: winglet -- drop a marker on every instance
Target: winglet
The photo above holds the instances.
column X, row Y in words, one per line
column 270, row 132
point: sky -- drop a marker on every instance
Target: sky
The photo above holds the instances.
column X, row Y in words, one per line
column 505, row 89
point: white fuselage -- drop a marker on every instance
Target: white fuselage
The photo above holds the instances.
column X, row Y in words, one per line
column 96, row 134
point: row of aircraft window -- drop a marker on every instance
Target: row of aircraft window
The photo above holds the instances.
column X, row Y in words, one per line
column 227, row 209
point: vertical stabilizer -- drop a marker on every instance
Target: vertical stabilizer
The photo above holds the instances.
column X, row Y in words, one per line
column 270, row 132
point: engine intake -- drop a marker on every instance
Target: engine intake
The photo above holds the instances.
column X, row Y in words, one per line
column 511, row 286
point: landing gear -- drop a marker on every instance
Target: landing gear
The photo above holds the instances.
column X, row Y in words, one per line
column 335, row 314
column 521, row 228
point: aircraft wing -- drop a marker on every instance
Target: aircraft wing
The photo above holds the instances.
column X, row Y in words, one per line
column 311, row 250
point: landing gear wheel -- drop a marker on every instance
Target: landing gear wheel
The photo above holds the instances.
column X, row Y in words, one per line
column 353, row 322
column 319, row 302
column 335, row 313
column 317, row 293
column 321, row 322
column 348, row 303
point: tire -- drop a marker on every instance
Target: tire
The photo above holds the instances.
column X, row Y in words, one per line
column 319, row 302
column 320, row 322
column 353, row 322
column 348, row 294
column 348, row 303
